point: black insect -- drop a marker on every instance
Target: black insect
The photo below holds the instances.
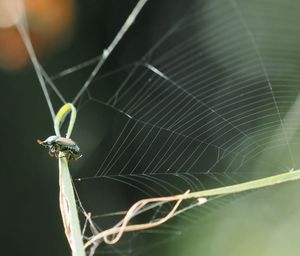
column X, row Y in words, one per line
column 58, row 144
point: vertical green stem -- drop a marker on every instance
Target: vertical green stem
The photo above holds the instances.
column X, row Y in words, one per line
column 67, row 199
column 69, row 209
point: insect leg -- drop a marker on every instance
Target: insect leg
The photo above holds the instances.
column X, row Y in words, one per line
column 50, row 153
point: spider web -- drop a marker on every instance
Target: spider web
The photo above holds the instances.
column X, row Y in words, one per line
column 211, row 100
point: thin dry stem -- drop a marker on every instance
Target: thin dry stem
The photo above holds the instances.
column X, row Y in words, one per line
column 201, row 196
column 118, row 230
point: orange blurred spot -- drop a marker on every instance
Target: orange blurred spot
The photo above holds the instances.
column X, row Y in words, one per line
column 11, row 11
column 50, row 24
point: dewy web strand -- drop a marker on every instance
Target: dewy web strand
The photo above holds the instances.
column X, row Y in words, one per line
column 23, row 29
column 106, row 52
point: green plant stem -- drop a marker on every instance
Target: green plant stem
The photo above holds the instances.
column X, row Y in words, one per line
column 119, row 229
column 69, row 209
column 67, row 199
column 250, row 185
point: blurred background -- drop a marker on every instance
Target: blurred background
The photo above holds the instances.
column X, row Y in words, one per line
column 236, row 48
